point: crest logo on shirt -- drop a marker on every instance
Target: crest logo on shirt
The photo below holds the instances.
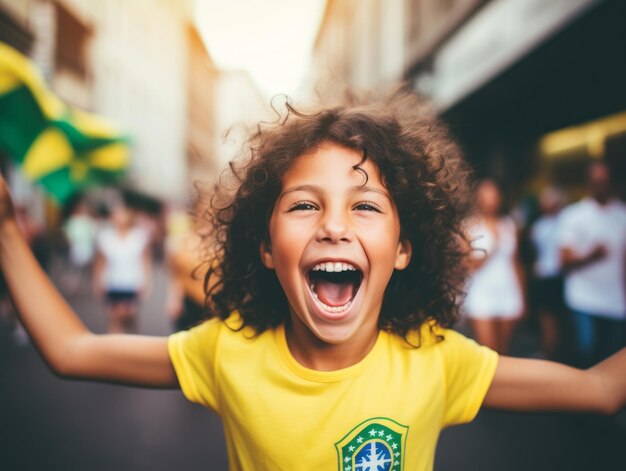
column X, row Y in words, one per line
column 377, row 444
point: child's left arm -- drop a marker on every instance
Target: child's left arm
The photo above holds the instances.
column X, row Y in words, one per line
column 536, row 385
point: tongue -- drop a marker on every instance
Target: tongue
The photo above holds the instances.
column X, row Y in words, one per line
column 334, row 294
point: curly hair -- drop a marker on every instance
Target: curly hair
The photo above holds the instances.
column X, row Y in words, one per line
column 421, row 167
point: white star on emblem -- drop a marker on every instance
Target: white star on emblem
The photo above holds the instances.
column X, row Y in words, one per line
column 396, row 454
column 372, row 432
column 348, row 468
column 381, row 433
column 350, row 448
column 394, row 445
column 388, row 437
column 359, row 440
column 346, row 459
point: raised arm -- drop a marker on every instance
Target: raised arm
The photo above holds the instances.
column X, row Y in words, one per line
column 68, row 347
column 528, row 385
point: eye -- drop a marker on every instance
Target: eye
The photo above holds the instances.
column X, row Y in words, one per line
column 302, row 206
column 367, row 206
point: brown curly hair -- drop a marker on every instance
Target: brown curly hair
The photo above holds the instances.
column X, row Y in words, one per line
column 423, row 171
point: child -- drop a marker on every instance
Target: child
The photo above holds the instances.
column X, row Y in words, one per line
column 339, row 261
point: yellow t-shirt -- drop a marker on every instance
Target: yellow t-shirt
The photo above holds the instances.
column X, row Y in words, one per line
column 386, row 410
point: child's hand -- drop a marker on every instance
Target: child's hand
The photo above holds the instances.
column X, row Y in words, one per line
column 7, row 211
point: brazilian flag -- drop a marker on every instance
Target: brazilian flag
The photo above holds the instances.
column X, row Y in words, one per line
column 61, row 147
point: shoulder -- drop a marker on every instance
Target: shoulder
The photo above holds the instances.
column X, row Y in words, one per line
column 105, row 234
column 432, row 336
column 620, row 208
column 140, row 234
column 466, row 366
column 475, row 226
column 507, row 223
column 542, row 223
column 216, row 330
column 575, row 211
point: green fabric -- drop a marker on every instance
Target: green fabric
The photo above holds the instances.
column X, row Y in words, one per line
column 21, row 121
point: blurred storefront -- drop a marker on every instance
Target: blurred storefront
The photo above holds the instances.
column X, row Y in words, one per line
column 534, row 89
column 507, row 75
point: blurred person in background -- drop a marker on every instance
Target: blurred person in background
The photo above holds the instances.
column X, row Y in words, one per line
column 122, row 269
column 185, row 297
column 80, row 231
column 495, row 294
column 592, row 240
column 546, row 290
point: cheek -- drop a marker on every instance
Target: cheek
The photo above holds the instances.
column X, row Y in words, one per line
column 287, row 247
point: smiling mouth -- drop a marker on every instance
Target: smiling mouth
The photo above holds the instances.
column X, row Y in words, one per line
column 334, row 285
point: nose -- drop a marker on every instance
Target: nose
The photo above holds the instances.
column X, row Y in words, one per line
column 334, row 228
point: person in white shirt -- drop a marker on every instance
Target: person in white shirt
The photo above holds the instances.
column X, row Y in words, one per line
column 592, row 240
column 122, row 269
column 80, row 231
column 546, row 290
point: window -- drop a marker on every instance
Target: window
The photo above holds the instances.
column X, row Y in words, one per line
column 72, row 42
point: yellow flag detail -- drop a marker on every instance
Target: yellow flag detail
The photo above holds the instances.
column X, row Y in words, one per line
column 48, row 153
column 8, row 83
column 93, row 125
column 16, row 67
column 111, row 157
column 78, row 170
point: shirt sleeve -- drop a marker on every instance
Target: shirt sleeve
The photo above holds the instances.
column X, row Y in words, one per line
column 193, row 354
column 469, row 369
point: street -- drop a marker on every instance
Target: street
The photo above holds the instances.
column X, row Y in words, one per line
column 50, row 423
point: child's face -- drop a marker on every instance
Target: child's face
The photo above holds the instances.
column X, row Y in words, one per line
column 334, row 243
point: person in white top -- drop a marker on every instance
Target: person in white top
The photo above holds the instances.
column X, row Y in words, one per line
column 80, row 231
column 547, row 278
column 495, row 299
column 592, row 240
column 122, row 269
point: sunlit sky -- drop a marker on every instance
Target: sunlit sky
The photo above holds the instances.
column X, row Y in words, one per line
column 271, row 39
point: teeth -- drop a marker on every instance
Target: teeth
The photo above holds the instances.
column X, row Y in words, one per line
column 334, row 267
column 331, row 308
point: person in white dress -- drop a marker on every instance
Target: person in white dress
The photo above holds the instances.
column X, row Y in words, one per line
column 122, row 269
column 495, row 299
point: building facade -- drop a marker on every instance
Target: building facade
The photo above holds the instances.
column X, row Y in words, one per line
column 505, row 74
column 126, row 61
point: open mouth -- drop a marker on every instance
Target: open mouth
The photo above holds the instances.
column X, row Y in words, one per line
column 334, row 284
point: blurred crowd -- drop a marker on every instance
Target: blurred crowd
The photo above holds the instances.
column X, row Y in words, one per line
column 557, row 270
column 560, row 269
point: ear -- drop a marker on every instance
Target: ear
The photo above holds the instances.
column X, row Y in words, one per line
column 403, row 255
column 265, row 249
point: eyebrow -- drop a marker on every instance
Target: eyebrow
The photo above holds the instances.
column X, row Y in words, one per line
column 318, row 190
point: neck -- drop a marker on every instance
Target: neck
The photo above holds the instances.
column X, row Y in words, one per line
column 313, row 353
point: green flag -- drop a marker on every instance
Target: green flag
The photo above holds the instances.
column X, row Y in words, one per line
column 63, row 148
